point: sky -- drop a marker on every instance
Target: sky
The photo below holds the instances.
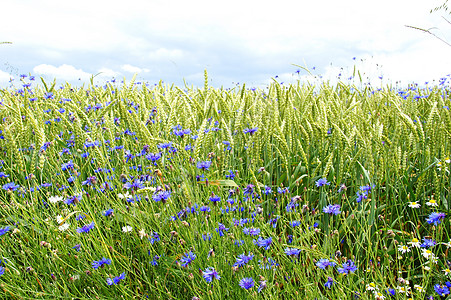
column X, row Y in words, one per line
column 246, row 41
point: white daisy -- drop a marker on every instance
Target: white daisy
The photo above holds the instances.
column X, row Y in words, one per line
column 126, row 196
column 64, row 227
column 448, row 245
column 127, row 228
column 414, row 204
column 432, row 203
column 403, row 249
column 142, row 233
column 378, row 295
column 415, row 243
column 427, row 253
column 59, row 219
column 419, row 288
column 371, row 287
column 403, row 289
column 55, row 199
column 447, row 271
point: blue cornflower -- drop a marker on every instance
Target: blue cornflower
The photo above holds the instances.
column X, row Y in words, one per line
column 164, row 145
column 206, row 237
column 227, row 143
column 204, row 165
column 428, row 243
column 324, row 263
column 442, row 290
column 251, row 231
column 153, row 157
column 45, row 146
column 187, row 258
column 128, row 155
column 391, row 291
column 231, row 175
column 332, row 209
column 292, row 251
column 248, row 190
column 182, row 133
column 92, row 144
column 10, row 186
column 291, row 206
column 267, row 190
column 434, row 218
column 322, row 182
column 243, row 259
column 329, row 283
column 239, row 242
column 268, row 263
column 221, row 228
column 282, row 190
column 48, row 95
column 361, row 196
column 273, row 222
column 92, row 180
column 367, row 188
column 347, row 267
column 67, row 166
column 215, row 198
column 2, row 270
column 137, row 184
column 295, row 223
column 261, row 286
column 80, row 217
column 155, row 259
column 209, row 274
column 3, row 175
column 86, row 228
column 108, row 212
column 261, row 242
column 77, row 247
column 4, row 230
column 251, row 131
column 161, row 196
column 101, row 263
column 247, row 283
column 73, row 199
column 155, row 237
column 115, row 280
column 205, row 208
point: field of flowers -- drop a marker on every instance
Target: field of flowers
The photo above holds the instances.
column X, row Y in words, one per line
column 301, row 191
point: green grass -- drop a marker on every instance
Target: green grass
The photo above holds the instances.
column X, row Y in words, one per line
column 389, row 146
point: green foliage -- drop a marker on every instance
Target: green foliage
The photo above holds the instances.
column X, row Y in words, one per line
column 393, row 144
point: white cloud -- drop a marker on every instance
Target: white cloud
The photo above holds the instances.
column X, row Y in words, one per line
column 63, row 72
column 132, row 69
column 246, row 40
column 163, row 53
column 4, row 77
column 108, row 73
